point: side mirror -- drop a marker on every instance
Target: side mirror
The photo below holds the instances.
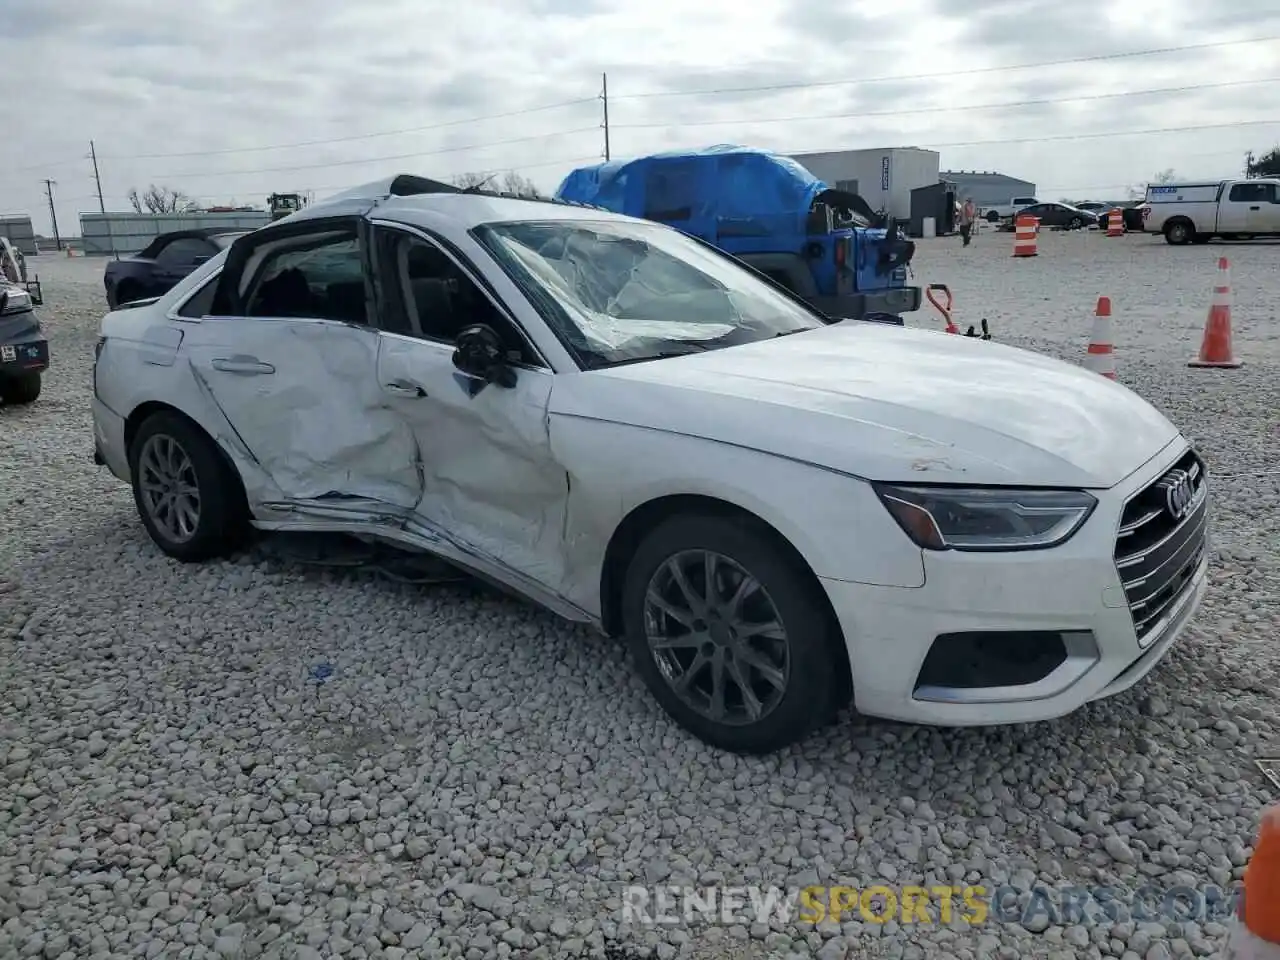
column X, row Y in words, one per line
column 479, row 354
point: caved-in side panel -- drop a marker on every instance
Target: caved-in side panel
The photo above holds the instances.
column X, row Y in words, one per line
column 490, row 484
column 303, row 401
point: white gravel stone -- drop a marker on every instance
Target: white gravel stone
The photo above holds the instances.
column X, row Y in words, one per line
column 478, row 779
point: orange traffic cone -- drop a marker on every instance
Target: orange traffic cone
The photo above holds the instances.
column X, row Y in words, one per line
column 1215, row 348
column 1101, row 358
column 1257, row 934
column 1115, row 224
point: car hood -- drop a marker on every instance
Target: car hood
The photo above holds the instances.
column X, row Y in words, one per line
column 889, row 403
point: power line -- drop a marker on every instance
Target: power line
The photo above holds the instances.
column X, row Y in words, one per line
column 361, row 136
column 1057, row 138
column 1102, row 136
column 953, row 109
column 800, row 85
column 347, row 185
column 944, row 75
column 399, row 156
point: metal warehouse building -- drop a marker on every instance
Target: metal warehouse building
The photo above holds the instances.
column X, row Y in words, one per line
column 17, row 227
column 884, row 177
column 130, row 232
column 988, row 188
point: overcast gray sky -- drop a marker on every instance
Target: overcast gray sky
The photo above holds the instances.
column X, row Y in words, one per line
column 230, row 100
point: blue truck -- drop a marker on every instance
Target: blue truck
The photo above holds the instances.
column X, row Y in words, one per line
column 826, row 246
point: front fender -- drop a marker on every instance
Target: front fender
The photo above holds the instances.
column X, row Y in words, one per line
column 835, row 522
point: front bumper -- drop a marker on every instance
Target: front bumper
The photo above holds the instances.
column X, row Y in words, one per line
column 1073, row 592
column 895, row 300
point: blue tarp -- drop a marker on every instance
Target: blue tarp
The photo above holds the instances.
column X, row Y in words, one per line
column 702, row 191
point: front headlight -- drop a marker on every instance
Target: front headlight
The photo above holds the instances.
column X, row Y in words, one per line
column 953, row 518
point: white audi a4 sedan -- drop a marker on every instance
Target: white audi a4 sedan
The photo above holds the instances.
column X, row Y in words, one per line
column 778, row 511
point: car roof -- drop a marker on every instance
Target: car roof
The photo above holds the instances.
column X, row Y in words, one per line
column 411, row 199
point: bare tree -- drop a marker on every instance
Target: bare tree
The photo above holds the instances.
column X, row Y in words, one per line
column 1267, row 165
column 1139, row 190
column 509, row 182
column 160, row 200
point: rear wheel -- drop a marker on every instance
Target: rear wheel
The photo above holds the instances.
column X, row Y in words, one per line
column 187, row 496
column 1179, row 232
column 20, row 388
column 731, row 634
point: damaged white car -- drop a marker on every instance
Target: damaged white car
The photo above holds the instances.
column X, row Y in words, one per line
column 779, row 512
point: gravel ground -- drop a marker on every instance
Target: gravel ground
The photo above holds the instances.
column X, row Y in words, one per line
column 478, row 779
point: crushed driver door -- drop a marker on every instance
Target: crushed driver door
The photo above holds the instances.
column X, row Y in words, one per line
column 491, row 491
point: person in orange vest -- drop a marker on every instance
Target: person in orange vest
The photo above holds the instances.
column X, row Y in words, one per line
column 1256, row 934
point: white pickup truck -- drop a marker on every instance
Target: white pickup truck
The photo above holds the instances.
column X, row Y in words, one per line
column 1002, row 211
column 1198, row 212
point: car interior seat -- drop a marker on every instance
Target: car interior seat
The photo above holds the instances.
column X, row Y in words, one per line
column 285, row 295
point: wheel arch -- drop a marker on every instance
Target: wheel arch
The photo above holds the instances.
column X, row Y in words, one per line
column 1178, row 219
column 629, row 533
column 144, row 411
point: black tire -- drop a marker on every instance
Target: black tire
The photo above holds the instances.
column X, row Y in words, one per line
column 1179, row 232
column 222, row 522
column 1075, row 223
column 993, row 217
column 20, row 388
column 813, row 688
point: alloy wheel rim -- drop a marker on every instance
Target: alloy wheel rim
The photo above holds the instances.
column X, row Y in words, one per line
column 170, row 490
column 717, row 637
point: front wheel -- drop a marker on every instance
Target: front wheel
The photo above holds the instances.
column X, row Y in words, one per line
column 20, row 388
column 1075, row 223
column 187, row 496
column 731, row 634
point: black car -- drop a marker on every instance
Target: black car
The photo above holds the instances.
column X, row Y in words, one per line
column 24, row 351
column 1131, row 212
column 157, row 269
column 1061, row 215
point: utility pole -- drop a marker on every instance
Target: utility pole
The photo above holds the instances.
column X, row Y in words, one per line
column 53, row 214
column 604, row 97
column 102, row 206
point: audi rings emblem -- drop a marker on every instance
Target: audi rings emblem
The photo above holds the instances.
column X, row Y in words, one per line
column 1179, row 492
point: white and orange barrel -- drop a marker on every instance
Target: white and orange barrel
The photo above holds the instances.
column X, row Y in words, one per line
column 1025, row 228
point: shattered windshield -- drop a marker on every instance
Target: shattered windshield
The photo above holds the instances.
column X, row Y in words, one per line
column 619, row 292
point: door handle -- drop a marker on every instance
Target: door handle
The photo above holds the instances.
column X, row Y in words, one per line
column 403, row 388
column 1255, row 208
column 245, row 366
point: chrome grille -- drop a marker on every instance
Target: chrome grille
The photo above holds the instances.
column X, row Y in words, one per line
column 1157, row 552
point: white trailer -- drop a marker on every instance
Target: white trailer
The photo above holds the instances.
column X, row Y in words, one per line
column 1198, row 212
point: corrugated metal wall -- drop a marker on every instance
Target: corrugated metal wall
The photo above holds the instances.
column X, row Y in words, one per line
column 130, row 232
column 988, row 189
column 17, row 227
